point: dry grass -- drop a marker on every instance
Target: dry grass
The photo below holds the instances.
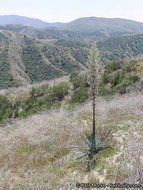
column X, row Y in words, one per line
column 36, row 154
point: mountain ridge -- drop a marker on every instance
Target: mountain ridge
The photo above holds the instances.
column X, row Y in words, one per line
column 25, row 21
column 86, row 28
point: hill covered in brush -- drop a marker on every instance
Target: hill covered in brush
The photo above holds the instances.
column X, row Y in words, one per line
column 121, row 47
column 25, row 60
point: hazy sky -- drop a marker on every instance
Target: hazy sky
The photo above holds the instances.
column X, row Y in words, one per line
column 68, row 10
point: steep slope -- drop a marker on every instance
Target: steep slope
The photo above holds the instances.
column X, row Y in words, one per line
column 26, row 60
column 121, row 48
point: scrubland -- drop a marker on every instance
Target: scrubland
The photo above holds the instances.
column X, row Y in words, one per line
column 36, row 153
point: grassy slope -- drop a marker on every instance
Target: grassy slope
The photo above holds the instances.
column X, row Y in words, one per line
column 36, row 152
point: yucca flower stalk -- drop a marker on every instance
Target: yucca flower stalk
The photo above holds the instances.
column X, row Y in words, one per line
column 94, row 78
column 97, row 141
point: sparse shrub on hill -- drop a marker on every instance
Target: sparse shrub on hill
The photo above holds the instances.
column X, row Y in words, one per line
column 38, row 101
column 121, row 87
column 113, row 66
column 104, row 91
column 33, row 92
column 134, row 78
column 80, row 95
column 6, row 78
column 117, row 79
column 39, row 91
column 80, row 87
column 131, row 66
column 59, row 91
column 79, row 80
column 6, row 108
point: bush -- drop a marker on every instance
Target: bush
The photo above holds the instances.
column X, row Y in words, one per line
column 113, row 66
column 131, row 66
column 6, row 108
column 59, row 91
column 116, row 78
column 78, row 80
column 105, row 78
column 134, row 78
column 80, row 95
column 103, row 91
column 73, row 75
column 121, row 88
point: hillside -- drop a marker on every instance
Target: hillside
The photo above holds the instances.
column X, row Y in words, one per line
column 36, row 153
column 123, row 47
column 26, row 60
column 39, row 151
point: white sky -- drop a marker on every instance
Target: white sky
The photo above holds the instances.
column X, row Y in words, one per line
column 68, row 10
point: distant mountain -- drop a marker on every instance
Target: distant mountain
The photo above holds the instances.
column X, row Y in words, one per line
column 103, row 26
column 25, row 21
column 88, row 28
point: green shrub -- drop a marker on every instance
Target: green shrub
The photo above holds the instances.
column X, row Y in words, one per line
column 73, row 75
column 121, row 88
column 79, row 80
column 6, row 108
column 110, row 67
column 80, row 95
column 105, row 78
column 116, row 78
column 103, row 91
column 134, row 78
column 59, row 91
column 130, row 66
column 33, row 92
